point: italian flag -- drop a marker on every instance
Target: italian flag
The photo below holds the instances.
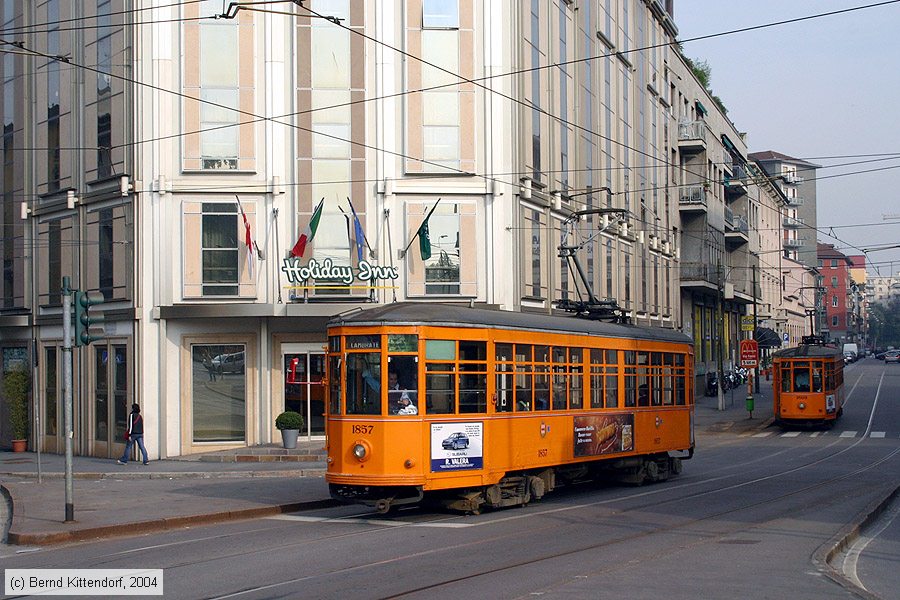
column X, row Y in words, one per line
column 308, row 235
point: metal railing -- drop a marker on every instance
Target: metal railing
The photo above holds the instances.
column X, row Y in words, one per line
column 692, row 130
column 793, row 242
column 740, row 224
column 797, row 201
column 699, row 272
column 692, row 195
column 793, row 222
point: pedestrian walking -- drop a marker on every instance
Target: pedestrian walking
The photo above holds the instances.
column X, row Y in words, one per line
column 134, row 434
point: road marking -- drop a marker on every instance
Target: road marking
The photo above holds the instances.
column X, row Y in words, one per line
column 383, row 522
column 763, row 434
column 790, row 434
column 877, row 434
column 848, row 434
column 815, row 434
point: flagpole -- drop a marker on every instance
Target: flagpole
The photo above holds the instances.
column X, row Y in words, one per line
column 365, row 238
column 387, row 220
column 247, row 234
column 277, row 246
column 403, row 252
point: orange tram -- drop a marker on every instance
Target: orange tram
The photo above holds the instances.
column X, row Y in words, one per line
column 809, row 385
column 477, row 408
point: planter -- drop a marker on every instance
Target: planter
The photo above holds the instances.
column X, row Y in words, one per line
column 289, row 438
column 19, row 445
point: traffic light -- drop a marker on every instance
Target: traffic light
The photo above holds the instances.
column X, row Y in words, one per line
column 84, row 320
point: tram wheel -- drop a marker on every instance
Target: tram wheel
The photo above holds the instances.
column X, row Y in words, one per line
column 383, row 506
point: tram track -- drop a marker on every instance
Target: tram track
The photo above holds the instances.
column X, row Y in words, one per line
column 646, row 494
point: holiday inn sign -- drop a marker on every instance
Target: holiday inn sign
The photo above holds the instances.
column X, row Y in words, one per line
column 326, row 270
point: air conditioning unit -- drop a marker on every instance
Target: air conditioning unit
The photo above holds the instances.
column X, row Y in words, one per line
column 654, row 243
column 667, row 248
column 642, row 236
column 623, row 228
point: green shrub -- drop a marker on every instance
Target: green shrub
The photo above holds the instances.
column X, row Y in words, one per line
column 289, row 420
column 15, row 390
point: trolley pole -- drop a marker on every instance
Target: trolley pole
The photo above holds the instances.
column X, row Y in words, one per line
column 67, row 394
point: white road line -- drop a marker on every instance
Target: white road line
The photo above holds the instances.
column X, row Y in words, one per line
column 815, row 434
column 790, row 434
column 763, row 434
column 874, row 405
column 877, row 434
column 848, row 434
column 383, row 522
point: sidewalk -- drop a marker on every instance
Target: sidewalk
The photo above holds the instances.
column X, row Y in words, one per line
column 114, row 500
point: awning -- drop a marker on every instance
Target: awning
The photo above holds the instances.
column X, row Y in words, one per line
column 701, row 108
column 767, row 338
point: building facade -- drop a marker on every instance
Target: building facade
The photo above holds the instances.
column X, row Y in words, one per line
column 229, row 178
column 840, row 320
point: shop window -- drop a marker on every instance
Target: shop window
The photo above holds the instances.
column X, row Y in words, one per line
column 219, row 392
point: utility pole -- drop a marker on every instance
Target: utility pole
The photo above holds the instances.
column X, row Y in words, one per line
column 67, row 394
column 753, row 336
column 720, row 334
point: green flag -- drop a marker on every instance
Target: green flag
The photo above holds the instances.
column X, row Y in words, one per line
column 424, row 240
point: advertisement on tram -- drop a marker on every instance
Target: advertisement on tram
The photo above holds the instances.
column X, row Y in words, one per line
column 457, row 446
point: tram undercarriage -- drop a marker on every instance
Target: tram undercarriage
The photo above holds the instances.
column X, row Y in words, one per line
column 516, row 489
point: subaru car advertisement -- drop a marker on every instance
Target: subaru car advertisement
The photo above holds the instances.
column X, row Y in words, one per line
column 457, row 446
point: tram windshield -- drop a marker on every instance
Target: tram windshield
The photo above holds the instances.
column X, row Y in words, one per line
column 802, row 377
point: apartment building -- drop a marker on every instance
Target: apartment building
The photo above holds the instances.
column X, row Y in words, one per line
column 840, row 319
column 186, row 151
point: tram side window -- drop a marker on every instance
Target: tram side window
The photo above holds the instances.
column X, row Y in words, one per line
column 829, row 376
column 643, row 379
column 363, row 383
column 630, row 378
column 505, row 382
column 680, row 379
column 604, row 378
column 472, row 377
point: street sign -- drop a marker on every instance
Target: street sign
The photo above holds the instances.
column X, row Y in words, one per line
column 746, row 322
column 749, row 354
column 785, row 336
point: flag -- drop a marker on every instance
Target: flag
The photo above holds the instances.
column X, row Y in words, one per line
column 422, row 234
column 248, row 239
column 307, row 236
column 358, row 233
column 424, row 240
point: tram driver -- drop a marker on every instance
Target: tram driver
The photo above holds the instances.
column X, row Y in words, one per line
column 400, row 398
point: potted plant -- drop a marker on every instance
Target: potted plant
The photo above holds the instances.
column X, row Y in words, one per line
column 289, row 423
column 15, row 390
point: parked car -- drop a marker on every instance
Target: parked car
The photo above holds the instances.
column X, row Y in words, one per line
column 229, row 363
column 456, row 441
column 849, row 357
column 892, row 356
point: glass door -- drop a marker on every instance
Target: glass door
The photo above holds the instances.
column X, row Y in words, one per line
column 111, row 398
column 303, row 373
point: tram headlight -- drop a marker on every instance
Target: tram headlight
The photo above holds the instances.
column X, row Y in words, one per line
column 359, row 451
column 802, row 405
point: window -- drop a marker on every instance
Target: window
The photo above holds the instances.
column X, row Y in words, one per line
column 104, row 69
column 219, row 248
column 834, row 282
column 604, row 378
column 442, row 269
column 440, row 14
column 219, row 393
column 363, row 383
column 834, row 263
column 533, row 240
column 834, row 321
column 219, row 89
column 50, row 389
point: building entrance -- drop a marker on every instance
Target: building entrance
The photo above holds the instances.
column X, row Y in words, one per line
column 303, row 371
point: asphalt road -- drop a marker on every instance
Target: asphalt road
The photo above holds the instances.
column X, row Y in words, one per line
column 746, row 519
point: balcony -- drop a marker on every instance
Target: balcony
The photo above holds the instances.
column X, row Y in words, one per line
column 702, row 275
column 793, row 243
column 798, row 201
column 737, row 230
column 791, row 178
column 692, row 136
column 792, row 222
column 692, row 199
column 736, row 183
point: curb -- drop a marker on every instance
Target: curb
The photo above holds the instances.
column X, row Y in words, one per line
column 162, row 524
column 315, row 472
column 845, row 537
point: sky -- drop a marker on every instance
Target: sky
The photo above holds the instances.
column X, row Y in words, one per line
column 824, row 87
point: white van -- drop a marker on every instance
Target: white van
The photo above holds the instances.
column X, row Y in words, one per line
column 852, row 349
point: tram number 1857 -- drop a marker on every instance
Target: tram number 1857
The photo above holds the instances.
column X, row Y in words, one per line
column 362, row 429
